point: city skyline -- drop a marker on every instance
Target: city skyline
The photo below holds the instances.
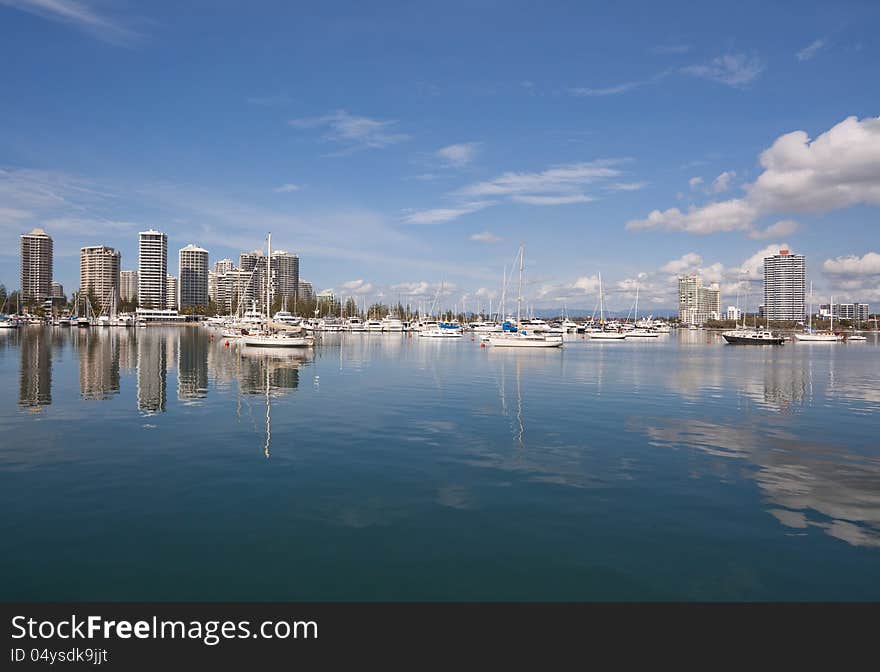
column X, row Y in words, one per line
column 695, row 146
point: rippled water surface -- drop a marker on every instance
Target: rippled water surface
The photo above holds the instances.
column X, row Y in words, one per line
column 159, row 464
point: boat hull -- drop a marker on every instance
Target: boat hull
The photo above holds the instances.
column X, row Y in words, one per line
column 747, row 340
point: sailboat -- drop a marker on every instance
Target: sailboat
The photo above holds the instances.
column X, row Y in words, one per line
column 744, row 336
column 274, row 334
column 640, row 332
column 522, row 338
column 819, row 336
column 603, row 335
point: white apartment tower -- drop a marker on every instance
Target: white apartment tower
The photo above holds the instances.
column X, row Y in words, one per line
column 99, row 273
column 193, row 277
column 36, row 265
column 128, row 285
column 152, row 269
column 171, row 288
column 785, row 279
column 696, row 303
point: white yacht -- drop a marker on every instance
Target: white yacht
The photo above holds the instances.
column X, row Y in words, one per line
column 6, row 322
column 442, row 330
column 355, row 324
column 609, row 331
column 285, row 317
column 373, row 325
column 392, row 323
column 522, row 338
column 819, row 336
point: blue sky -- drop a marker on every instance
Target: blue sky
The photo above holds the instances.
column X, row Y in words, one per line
column 396, row 146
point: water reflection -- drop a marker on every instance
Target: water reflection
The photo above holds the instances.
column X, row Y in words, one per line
column 35, row 372
column 152, row 373
column 815, row 484
column 99, row 366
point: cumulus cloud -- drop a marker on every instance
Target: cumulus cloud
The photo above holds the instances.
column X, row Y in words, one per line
column 359, row 286
column 688, row 262
column 838, row 169
column 695, row 182
column 735, row 70
column 459, row 155
column 784, row 227
column 851, row 265
column 722, row 182
column 753, row 267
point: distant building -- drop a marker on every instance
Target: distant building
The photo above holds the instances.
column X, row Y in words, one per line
column 171, row 292
column 733, row 313
column 285, row 274
column 193, row 278
column 306, row 291
column 224, row 265
column 152, row 269
column 128, row 285
column 57, row 290
column 785, row 277
column 696, row 303
column 99, row 274
column 845, row 311
column 36, row 265
column 234, row 288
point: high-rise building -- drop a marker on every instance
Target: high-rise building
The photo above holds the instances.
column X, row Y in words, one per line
column 785, row 279
column 193, row 277
column 57, row 290
column 696, row 303
column 224, row 265
column 99, row 274
column 36, row 265
column 733, row 313
column 285, row 276
column 234, row 288
column 171, row 287
column 845, row 311
column 128, row 285
column 152, row 269
column 306, row 291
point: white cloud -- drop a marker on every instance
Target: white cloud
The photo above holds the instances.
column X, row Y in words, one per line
column 565, row 179
column 82, row 15
column 695, row 182
column 606, row 91
column 626, row 186
column 688, row 262
column 438, row 215
column 808, row 52
column 459, row 155
column 353, row 132
column 486, row 237
column 839, row 169
column 357, row 287
column 552, row 200
column 287, row 188
column 588, row 284
column 722, row 182
column 784, row 227
column 735, row 70
column 851, row 265
column 753, row 267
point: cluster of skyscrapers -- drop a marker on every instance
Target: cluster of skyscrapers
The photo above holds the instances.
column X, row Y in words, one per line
column 101, row 276
column 785, row 295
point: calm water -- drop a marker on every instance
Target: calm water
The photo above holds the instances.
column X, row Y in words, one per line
column 152, row 464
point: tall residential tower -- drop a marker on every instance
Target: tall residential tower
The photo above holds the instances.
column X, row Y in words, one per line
column 36, row 265
column 152, row 269
column 785, row 279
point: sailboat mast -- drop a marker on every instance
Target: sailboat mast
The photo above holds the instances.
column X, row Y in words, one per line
column 268, row 275
column 519, row 294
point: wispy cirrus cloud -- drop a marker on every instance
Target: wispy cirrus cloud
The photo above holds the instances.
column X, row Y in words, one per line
column 671, row 49
column 354, row 133
column 80, row 14
column 811, row 50
column 733, row 69
column 439, row 215
column 287, row 188
column 566, row 180
column 614, row 90
column 486, row 237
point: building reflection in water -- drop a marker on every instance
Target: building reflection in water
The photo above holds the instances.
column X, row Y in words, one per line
column 99, row 364
column 272, row 373
column 192, row 365
column 152, row 372
column 35, row 372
